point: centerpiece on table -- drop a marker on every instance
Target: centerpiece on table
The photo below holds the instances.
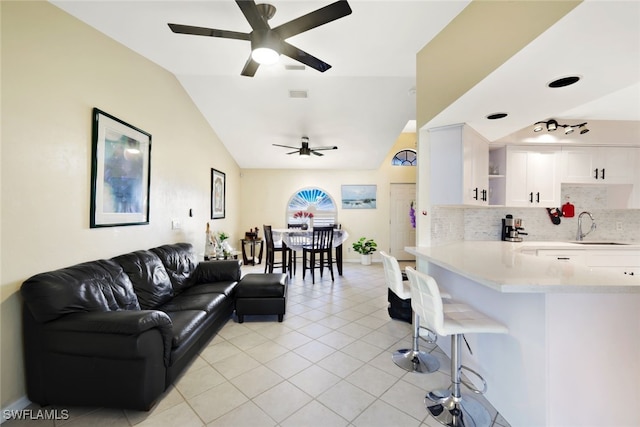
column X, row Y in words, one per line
column 216, row 245
column 305, row 218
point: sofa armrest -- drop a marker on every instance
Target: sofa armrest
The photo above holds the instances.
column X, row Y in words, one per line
column 217, row 271
column 107, row 326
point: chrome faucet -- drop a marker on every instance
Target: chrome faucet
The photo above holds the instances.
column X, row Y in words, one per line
column 580, row 234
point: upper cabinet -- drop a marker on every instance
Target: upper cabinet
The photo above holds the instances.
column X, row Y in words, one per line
column 533, row 176
column 599, row 165
column 459, row 166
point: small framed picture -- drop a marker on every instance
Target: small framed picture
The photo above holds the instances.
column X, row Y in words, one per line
column 359, row 196
column 218, row 194
column 120, row 173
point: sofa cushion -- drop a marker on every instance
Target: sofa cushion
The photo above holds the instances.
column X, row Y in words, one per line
column 180, row 262
column 185, row 322
column 149, row 277
column 225, row 287
column 99, row 285
column 205, row 302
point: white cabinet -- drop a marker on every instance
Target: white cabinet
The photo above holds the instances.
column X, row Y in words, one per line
column 533, row 176
column 459, row 166
column 599, row 165
column 622, row 261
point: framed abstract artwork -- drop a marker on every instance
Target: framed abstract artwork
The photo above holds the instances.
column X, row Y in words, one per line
column 120, row 173
column 218, row 194
column 359, row 196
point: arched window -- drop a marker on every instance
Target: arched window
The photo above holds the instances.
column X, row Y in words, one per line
column 405, row 158
column 316, row 201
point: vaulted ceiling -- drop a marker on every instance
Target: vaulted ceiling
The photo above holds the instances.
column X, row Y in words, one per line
column 368, row 96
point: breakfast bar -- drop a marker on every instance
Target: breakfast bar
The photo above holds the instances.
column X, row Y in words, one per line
column 572, row 354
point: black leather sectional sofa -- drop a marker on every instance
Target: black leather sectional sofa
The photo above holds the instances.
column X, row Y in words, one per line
column 117, row 332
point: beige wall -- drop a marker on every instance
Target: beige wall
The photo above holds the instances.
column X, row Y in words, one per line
column 55, row 70
column 266, row 192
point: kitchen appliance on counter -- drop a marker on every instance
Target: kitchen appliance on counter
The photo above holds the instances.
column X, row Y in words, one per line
column 512, row 229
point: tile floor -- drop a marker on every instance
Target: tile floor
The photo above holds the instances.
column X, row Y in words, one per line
column 328, row 364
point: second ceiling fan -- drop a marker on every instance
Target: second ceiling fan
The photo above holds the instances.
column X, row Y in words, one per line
column 305, row 151
column 267, row 43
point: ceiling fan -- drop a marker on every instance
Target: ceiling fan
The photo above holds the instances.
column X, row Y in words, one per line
column 267, row 43
column 305, row 150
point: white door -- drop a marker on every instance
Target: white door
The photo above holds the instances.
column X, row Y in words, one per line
column 402, row 232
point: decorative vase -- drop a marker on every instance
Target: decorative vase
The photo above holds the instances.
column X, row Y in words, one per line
column 365, row 259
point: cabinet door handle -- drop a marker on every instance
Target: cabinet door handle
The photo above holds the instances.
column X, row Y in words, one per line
column 563, row 258
column 602, row 173
column 538, row 197
column 475, row 192
column 531, row 197
column 484, row 195
column 596, row 173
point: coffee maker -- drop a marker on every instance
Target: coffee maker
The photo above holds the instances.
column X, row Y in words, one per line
column 511, row 229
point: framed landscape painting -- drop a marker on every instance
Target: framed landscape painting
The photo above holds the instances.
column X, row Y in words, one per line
column 359, row 196
column 218, row 194
column 120, row 173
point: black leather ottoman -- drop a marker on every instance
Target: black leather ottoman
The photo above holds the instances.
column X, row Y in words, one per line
column 262, row 294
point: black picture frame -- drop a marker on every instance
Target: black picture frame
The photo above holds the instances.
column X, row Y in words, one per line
column 120, row 172
column 218, row 194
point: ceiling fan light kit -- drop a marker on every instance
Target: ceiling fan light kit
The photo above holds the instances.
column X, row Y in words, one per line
column 265, row 48
column 267, row 44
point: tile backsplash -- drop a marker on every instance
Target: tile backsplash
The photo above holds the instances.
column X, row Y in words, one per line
column 484, row 223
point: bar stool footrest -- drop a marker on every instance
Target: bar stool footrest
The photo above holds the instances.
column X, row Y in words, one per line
column 431, row 337
column 469, row 385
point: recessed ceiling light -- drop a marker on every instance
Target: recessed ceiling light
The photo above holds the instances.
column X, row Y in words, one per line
column 496, row 116
column 564, row 81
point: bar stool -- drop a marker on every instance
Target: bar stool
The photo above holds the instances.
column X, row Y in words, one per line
column 399, row 293
column 450, row 407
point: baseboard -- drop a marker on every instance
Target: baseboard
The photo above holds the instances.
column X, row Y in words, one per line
column 18, row 405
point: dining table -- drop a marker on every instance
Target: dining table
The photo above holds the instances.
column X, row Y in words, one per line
column 297, row 238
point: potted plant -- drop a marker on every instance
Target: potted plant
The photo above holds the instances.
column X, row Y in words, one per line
column 365, row 247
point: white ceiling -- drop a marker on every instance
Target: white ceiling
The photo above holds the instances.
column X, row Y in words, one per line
column 364, row 102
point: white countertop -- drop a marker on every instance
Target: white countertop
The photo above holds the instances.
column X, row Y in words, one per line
column 502, row 267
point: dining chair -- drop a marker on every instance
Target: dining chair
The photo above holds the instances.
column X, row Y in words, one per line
column 272, row 249
column 297, row 240
column 293, row 265
column 320, row 245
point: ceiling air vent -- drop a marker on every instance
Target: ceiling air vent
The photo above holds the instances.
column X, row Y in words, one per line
column 294, row 67
column 298, row 94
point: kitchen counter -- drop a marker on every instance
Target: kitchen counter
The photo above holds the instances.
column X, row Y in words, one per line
column 573, row 329
column 513, row 267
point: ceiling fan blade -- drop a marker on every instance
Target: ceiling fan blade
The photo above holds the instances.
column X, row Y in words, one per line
column 210, row 32
column 317, row 154
column 285, row 146
column 250, row 67
column 294, row 152
column 333, row 147
column 314, row 19
column 303, row 57
column 250, row 11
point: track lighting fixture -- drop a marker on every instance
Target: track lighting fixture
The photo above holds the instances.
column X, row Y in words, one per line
column 552, row 125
